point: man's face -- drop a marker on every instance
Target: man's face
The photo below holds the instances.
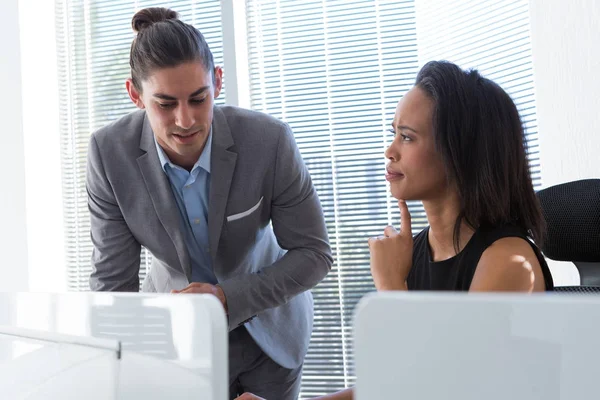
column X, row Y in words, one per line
column 179, row 104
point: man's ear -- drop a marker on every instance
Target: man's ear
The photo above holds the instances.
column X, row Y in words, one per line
column 218, row 80
column 134, row 94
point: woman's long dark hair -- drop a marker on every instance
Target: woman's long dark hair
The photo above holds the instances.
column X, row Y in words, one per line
column 480, row 136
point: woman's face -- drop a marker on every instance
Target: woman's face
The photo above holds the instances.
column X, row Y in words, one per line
column 415, row 169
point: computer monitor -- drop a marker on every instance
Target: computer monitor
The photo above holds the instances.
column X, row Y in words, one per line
column 463, row 346
column 104, row 346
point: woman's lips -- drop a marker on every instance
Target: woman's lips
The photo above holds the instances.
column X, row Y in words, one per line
column 393, row 175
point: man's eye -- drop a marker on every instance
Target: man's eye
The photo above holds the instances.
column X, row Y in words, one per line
column 166, row 105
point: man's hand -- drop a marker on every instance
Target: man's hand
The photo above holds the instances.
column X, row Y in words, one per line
column 205, row 288
column 249, row 396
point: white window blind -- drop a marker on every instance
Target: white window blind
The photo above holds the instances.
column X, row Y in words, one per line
column 492, row 36
column 93, row 44
column 335, row 70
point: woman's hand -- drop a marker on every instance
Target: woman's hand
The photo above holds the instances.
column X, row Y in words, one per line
column 391, row 254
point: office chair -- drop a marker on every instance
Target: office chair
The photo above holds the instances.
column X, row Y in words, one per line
column 572, row 213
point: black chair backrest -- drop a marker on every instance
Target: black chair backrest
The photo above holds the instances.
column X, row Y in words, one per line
column 572, row 213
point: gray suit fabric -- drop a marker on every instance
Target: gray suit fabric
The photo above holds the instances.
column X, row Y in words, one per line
column 267, row 235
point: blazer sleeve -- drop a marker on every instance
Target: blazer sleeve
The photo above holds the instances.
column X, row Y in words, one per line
column 299, row 227
column 116, row 253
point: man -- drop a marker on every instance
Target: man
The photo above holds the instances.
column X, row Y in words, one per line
column 221, row 198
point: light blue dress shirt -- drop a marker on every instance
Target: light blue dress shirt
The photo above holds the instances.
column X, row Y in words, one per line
column 191, row 191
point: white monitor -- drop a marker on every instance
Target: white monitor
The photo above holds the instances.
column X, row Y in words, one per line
column 417, row 345
column 39, row 365
column 105, row 346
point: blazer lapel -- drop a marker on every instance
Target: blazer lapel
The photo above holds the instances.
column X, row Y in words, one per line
column 161, row 194
column 222, row 161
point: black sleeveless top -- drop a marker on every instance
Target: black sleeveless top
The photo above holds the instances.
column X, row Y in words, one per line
column 456, row 273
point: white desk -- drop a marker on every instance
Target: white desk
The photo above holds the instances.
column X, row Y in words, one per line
column 477, row 346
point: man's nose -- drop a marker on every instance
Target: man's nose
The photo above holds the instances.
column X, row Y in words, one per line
column 185, row 117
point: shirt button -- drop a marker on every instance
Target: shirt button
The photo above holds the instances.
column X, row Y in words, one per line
column 197, row 221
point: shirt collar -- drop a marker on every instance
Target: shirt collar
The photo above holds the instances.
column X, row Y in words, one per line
column 203, row 161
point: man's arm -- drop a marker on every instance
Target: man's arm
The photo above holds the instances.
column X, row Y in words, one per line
column 300, row 228
column 116, row 253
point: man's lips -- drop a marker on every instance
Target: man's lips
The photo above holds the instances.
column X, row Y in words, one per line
column 185, row 138
column 184, row 135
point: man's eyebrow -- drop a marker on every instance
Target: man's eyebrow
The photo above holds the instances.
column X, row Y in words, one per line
column 171, row 98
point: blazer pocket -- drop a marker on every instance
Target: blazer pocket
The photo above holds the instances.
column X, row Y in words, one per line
column 245, row 213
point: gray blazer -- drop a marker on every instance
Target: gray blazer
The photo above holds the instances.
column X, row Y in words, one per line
column 267, row 235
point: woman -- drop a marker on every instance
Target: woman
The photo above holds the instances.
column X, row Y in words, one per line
column 459, row 147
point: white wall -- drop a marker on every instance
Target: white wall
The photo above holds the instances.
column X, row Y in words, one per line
column 13, row 233
column 31, row 236
column 45, row 235
column 235, row 53
column 566, row 58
